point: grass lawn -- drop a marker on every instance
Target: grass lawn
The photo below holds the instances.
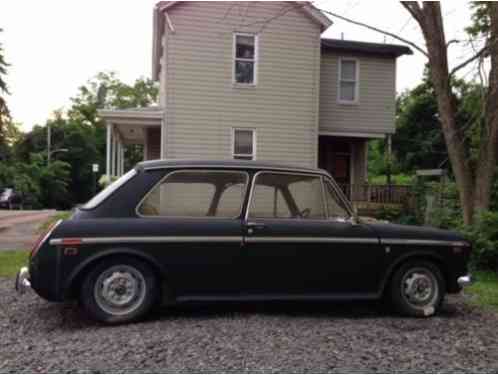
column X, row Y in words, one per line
column 485, row 289
column 11, row 261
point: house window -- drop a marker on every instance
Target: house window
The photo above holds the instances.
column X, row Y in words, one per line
column 244, row 144
column 245, row 56
column 348, row 80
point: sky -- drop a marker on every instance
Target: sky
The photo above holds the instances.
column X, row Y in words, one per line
column 55, row 46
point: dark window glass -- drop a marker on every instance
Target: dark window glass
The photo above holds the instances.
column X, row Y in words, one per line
column 245, row 59
column 197, row 194
column 287, row 196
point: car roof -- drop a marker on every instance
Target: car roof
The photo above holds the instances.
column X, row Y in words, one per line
column 245, row 164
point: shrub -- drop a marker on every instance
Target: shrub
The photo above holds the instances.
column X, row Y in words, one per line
column 484, row 236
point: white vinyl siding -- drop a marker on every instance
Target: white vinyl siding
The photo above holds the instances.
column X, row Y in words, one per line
column 375, row 111
column 203, row 104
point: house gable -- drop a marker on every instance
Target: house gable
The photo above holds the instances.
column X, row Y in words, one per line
column 161, row 19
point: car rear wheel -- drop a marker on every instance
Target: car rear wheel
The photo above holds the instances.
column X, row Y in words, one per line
column 119, row 290
column 417, row 289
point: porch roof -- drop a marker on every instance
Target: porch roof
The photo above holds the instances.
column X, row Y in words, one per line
column 131, row 122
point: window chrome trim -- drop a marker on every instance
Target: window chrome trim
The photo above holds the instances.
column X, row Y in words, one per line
column 251, row 195
column 347, row 204
column 244, row 193
column 239, row 166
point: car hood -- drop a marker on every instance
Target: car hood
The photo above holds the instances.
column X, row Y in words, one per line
column 402, row 233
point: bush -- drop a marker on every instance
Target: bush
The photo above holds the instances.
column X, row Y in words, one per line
column 484, row 236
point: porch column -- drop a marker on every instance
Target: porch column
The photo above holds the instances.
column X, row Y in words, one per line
column 108, row 151
column 114, row 154
column 118, row 157
column 122, row 158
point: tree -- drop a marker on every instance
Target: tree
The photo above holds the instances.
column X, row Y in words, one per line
column 4, row 110
column 474, row 181
column 474, row 177
column 82, row 132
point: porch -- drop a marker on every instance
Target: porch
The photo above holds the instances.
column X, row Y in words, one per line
column 345, row 157
column 125, row 127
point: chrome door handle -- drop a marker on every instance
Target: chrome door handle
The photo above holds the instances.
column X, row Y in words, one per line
column 255, row 225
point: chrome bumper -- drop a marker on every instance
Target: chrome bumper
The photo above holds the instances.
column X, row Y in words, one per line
column 22, row 280
column 464, row 281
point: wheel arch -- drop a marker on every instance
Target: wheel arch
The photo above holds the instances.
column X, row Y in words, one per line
column 73, row 283
column 413, row 256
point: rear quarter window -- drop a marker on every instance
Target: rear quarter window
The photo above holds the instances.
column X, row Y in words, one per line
column 109, row 190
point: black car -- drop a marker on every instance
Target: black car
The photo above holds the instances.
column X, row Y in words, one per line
column 184, row 231
column 10, row 199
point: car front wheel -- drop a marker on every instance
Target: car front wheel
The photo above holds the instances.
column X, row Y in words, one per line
column 119, row 290
column 417, row 289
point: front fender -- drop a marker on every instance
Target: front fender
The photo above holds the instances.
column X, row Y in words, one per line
column 413, row 254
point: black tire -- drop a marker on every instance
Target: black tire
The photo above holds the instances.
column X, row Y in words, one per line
column 406, row 282
column 97, row 292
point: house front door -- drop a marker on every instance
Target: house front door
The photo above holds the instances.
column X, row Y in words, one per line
column 334, row 155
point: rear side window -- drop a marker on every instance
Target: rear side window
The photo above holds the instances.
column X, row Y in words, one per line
column 196, row 194
column 100, row 197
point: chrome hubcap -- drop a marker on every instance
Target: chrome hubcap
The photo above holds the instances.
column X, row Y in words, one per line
column 420, row 287
column 120, row 290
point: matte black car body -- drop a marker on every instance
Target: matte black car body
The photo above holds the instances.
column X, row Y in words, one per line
column 306, row 259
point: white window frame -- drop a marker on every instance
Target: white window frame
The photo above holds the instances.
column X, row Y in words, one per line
column 254, row 144
column 356, row 81
column 255, row 60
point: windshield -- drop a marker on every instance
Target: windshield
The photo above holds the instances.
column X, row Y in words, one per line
column 100, row 197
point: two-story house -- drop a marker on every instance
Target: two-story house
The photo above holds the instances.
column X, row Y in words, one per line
column 255, row 80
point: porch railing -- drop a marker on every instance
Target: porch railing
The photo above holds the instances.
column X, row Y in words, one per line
column 384, row 194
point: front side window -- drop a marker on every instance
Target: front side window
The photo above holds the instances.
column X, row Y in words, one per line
column 348, row 80
column 287, row 196
column 196, row 194
column 245, row 58
column 335, row 206
column 244, row 144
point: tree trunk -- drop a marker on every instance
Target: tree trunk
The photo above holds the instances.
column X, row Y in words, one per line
column 431, row 22
column 488, row 150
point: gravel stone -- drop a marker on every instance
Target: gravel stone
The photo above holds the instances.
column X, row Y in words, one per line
column 38, row 336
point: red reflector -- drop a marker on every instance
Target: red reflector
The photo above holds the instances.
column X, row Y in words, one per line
column 71, row 241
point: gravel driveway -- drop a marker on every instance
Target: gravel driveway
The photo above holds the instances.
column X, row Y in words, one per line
column 40, row 336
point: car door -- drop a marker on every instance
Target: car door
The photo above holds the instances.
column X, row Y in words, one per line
column 198, row 217
column 293, row 245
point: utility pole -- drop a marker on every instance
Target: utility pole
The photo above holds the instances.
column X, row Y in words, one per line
column 49, row 142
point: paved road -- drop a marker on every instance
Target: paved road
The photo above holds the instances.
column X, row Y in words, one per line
column 18, row 229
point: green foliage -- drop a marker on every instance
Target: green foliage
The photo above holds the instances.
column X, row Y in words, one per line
column 484, row 290
column 484, row 237
column 480, row 19
column 11, row 261
column 40, row 184
column 4, row 110
column 83, row 133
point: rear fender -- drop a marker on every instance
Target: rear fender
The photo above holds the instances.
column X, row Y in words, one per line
column 76, row 275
